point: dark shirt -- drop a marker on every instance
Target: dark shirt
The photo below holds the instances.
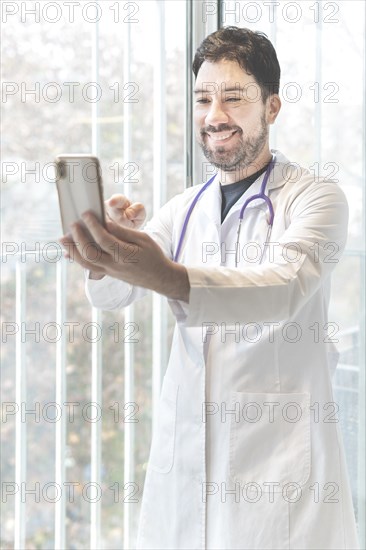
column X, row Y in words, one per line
column 231, row 192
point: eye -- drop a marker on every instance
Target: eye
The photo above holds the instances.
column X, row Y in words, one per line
column 202, row 100
column 232, row 99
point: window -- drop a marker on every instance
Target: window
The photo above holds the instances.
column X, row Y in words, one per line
column 108, row 78
column 320, row 47
column 79, row 387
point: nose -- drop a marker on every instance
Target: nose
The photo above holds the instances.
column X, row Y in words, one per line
column 216, row 114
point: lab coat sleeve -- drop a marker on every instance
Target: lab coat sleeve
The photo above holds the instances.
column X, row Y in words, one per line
column 297, row 265
column 109, row 293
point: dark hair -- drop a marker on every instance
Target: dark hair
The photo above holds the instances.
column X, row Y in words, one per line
column 251, row 50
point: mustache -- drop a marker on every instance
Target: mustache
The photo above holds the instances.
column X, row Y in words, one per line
column 219, row 128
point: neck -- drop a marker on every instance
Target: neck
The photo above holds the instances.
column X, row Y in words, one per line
column 242, row 172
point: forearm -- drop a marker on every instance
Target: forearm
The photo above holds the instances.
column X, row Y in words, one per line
column 112, row 293
column 174, row 282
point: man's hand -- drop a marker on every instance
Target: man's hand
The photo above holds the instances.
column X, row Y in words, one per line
column 126, row 254
column 120, row 210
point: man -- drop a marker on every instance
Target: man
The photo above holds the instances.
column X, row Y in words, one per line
column 247, row 453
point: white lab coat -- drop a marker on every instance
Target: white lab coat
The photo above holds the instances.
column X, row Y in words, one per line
column 247, row 453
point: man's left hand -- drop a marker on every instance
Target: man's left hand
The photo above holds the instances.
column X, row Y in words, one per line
column 126, row 254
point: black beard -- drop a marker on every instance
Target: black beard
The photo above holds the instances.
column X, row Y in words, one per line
column 243, row 156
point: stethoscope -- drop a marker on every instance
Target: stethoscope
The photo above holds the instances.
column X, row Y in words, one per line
column 258, row 196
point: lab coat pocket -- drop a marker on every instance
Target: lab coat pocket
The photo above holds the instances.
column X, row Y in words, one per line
column 270, row 440
column 163, row 441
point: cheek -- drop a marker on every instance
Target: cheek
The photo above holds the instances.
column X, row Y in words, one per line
column 198, row 119
column 252, row 121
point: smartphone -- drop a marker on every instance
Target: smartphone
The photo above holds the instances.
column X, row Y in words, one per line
column 79, row 187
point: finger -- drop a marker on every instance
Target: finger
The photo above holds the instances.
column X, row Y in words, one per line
column 110, row 238
column 73, row 253
column 118, row 201
column 136, row 212
column 66, row 239
column 66, row 244
column 91, row 263
column 116, row 209
column 108, row 241
column 89, row 249
column 116, row 242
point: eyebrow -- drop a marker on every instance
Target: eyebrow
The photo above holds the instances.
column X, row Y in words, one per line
column 236, row 89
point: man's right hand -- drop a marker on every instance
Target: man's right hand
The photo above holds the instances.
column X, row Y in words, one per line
column 121, row 211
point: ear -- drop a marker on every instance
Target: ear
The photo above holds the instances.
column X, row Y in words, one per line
column 272, row 108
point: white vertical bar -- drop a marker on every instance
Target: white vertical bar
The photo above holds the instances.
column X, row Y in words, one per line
column 273, row 39
column 188, row 99
column 197, row 30
column 95, row 77
column 20, row 398
column 96, row 429
column 362, row 379
column 96, row 367
column 318, row 105
column 361, row 504
column 60, row 506
column 129, row 433
column 159, row 315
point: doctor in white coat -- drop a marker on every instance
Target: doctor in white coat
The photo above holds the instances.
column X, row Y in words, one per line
column 247, row 453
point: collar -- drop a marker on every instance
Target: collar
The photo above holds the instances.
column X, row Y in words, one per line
column 209, row 204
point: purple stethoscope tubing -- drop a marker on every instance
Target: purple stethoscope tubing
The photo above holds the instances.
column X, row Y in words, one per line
column 185, row 224
column 261, row 195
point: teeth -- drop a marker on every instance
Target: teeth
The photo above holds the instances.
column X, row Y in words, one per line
column 218, row 138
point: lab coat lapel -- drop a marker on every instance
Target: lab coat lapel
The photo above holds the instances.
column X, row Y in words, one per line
column 204, row 228
column 209, row 222
column 209, row 205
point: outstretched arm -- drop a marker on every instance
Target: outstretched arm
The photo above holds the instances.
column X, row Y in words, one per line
column 126, row 254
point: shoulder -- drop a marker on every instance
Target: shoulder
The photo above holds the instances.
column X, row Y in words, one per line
column 301, row 184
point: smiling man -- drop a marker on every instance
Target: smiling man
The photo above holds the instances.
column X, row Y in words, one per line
column 247, row 452
column 232, row 114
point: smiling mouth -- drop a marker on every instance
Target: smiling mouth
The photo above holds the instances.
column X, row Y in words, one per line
column 219, row 137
